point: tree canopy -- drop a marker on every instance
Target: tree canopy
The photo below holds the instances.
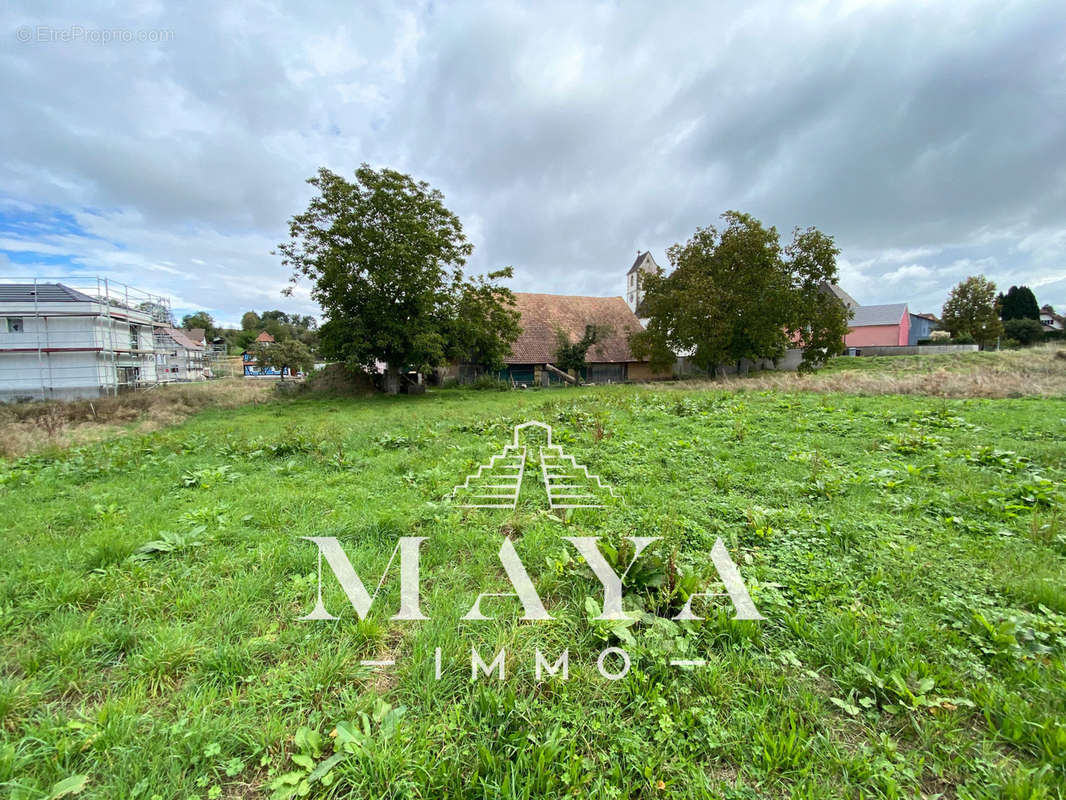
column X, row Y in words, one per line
column 1024, row 331
column 385, row 257
column 279, row 324
column 201, row 319
column 571, row 355
column 738, row 294
column 970, row 311
column 291, row 355
column 1018, row 303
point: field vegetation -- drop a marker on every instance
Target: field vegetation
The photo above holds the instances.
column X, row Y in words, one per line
column 32, row 427
column 907, row 550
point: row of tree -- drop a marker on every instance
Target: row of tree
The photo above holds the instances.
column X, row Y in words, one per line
column 279, row 324
column 975, row 313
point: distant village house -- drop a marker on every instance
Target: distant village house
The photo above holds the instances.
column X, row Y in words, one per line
column 179, row 354
column 253, row 369
column 1050, row 320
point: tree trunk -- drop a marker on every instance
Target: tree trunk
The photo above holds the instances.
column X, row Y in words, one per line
column 564, row 375
column 392, row 379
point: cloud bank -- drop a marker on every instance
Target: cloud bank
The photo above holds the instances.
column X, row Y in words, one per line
column 929, row 140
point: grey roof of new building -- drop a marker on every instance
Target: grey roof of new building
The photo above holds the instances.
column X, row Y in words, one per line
column 42, row 293
column 888, row 314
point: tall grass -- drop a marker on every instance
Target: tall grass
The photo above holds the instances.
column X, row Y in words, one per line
column 1033, row 372
column 29, row 427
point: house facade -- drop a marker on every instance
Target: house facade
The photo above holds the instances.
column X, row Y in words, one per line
column 58, row 342
column 922, row 327
column 179, row 357
column 885, row 325
column 253, row 369
column 1050, row 320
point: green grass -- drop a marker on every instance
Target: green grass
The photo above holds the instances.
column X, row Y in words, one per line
column 909, row 554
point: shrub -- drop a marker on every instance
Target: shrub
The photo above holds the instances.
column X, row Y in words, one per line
column 483, row 382
column 1025, row 331
column 341, row 379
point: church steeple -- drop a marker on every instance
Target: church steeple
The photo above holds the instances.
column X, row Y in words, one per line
column 644, row 263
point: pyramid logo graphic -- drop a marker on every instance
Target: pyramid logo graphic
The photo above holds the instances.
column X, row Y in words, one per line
column 498, row 483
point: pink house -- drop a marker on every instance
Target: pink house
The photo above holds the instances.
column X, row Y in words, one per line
column 879, row 326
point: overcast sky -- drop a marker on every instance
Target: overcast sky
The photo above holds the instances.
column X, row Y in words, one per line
column 929, row 139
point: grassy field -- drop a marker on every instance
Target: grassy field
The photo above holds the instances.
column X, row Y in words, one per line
column 908, row 553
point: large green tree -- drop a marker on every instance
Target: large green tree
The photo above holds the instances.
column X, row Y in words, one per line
column 385, row 257
column 249, row 321
column 201, row 319
column 738, row 294
column 971, row 312
column 1018, row 303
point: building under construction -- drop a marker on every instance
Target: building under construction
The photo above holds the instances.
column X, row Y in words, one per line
column 76, row 338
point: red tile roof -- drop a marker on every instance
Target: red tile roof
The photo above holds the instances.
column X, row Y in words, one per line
column 543, row 314
column 264, row 337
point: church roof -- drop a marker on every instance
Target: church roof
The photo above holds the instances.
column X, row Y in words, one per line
column 639, row 261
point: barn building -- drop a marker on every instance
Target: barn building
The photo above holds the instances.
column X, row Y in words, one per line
column 545, row 316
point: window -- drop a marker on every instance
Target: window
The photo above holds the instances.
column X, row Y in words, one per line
column 14, row 324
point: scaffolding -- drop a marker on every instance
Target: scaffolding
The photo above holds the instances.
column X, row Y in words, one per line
column 72, row 337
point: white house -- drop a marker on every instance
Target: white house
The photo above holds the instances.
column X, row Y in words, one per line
column 58, row 342
column 178, row 355
column 1050, row 320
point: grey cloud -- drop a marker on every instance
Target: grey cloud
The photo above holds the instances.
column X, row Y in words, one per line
column 928, row 140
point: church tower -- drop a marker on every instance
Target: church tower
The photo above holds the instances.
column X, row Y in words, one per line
column 644, row 264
